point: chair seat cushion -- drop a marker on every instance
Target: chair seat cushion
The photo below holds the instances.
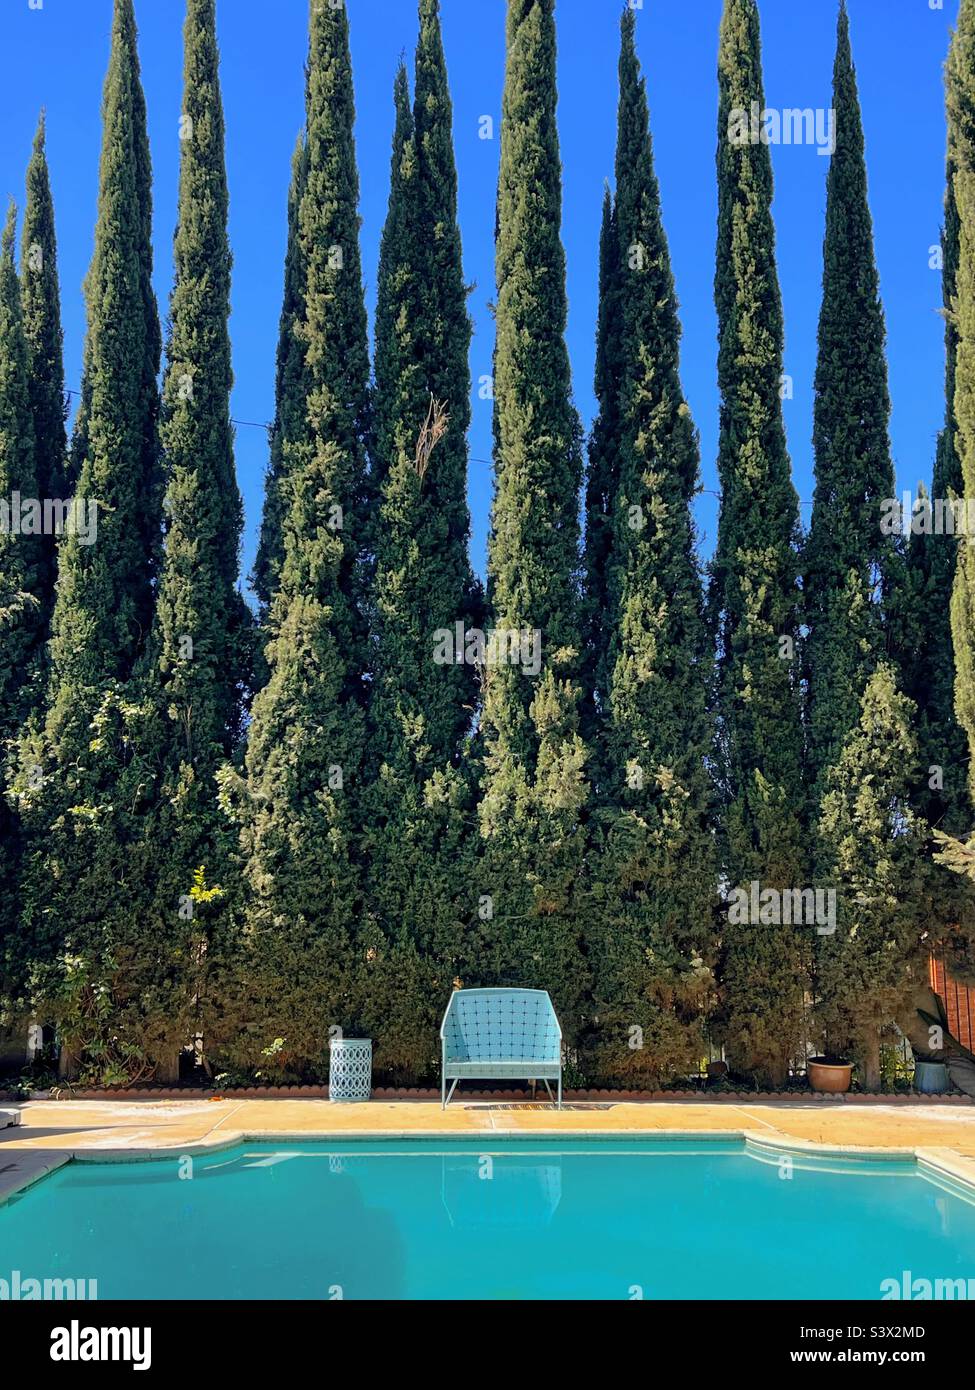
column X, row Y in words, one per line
column 513, row 1067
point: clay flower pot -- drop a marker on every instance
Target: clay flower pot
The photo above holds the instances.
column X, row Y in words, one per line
column 831, row 1078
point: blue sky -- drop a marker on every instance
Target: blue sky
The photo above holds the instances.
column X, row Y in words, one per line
column 56, row 52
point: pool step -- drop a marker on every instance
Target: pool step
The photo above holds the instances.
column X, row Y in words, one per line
column 9, row 1117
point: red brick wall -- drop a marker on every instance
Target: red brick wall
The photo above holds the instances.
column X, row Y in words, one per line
column 959, row 1002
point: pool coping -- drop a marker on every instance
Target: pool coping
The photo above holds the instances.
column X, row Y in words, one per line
column 938, row 1162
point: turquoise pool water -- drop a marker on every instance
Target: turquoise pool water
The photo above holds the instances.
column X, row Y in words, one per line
column 566, row 1219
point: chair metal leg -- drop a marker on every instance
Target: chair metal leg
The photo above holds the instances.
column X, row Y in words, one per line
column 559, row 1104
column 453, row 1087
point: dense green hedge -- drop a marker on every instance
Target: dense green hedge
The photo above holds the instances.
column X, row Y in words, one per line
column 253, row 834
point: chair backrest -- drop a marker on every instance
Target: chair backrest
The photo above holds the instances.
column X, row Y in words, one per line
column 500, row 1024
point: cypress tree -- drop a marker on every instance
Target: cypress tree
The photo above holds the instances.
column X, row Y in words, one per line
column 83, row 785
column 534, row 784
column 958, row 440
column 753, row 590
column 927, row 653
column 601, row 475
column 422, row 710
column 852, row 570
column 201, row 625
column 870, row 838
column 287, row 394
column 392, row 293
column 42, row 324
column 21, row 565
column 21, row 551
column 848, row 557
column 655, row 872
column 961, row 143
column 305, row 964
column 104, row 605
column 922, row 614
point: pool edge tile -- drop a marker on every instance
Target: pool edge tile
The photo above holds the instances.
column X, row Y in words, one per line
column 33, row 1165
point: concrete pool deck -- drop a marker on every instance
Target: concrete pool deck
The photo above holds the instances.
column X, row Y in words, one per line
column 51, row 1133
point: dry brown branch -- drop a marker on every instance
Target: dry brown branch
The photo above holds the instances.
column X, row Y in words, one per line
column 434, row 429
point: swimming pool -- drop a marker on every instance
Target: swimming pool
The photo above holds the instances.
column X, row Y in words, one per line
column 397, row 1219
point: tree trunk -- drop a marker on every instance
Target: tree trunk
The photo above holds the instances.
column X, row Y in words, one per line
column 870, row 1063
column 166, row 1069
column 69, row 1063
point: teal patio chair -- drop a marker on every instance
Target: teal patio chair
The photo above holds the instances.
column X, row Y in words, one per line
column 500, row 1035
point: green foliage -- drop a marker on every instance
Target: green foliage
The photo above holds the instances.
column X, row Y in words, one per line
column 534, row 787
column 302, row 963
column 22, row 561
column 287, row 393
column 754, row 594
column 40, row 296
column 420, row 817
column 848, row 560
column 961, row 124
column 103, row 610
column 867, row 971
column 852, row 566
column 602, row 473
column 81, row 787
column 197, row 665
column 398, row 825
column 21, row 555
column 653, row 863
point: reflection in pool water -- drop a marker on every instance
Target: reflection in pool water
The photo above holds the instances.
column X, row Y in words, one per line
column 395, row 1219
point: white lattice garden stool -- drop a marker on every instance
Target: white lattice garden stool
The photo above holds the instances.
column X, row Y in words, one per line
column 350, row 1069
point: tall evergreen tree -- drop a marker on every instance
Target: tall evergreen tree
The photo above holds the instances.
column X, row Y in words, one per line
column 655, row 870
column 927, row 654
column 42, row 324
column 422, row 711
column 754, row 592
column 535, row 790
column 958, row 439
column 305, row 963
column 848, row 557
column 870, row 839
column 961, row 144
column 104, row 606
column 21, row 549
column 852, row 562
column 288, row 396
column 82, row 786
column 21, row 566
column 923, row 645
column 393, row 285
column 201, row 627
column 602, row 472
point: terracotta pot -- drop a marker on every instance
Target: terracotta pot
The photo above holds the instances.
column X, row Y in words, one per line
column 829, row 1077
